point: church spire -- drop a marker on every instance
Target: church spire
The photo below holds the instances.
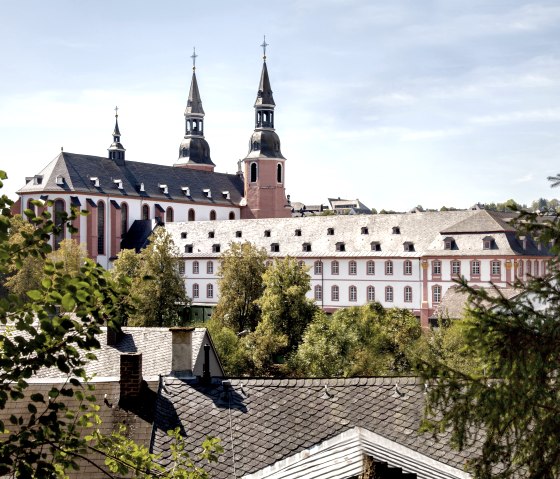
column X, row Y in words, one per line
column 116, row 150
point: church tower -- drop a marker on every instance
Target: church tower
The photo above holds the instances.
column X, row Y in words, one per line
column 263, row 167
column 194, row 152
column 116, row 150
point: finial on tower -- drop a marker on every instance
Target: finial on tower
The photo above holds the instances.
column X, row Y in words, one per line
column 193, row 56
column 264, row 45
column 116, row 112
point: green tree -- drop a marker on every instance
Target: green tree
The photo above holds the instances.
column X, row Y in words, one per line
column 157, row 289
column 512, row 407
column 241, row 284
column 285, row 308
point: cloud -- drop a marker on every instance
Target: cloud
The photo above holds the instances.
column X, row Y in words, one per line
column 542, row 115
column 523, row 179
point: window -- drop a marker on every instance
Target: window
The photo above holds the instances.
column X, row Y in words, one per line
column 389, row 294
column 301, row 263
column 365, row 231
column 334, row 293
column 169, row 215
column 475, row 267
column 190, row 217
column 436, row 294
column 407, row 267
column 388, row 267
column 216, row 248
column 275, row 248
column 352, row 294
column 330, row 231
column 210, row 234
column 238, row 234
column 340, row 246
column 407, row 294
column 195, row 291
column 352, row 267
column 334, row 267
column 375, row 246
column 520, row 268
column 145, row 212
column 181, row 268
column 31, row 206
column 59, row 221
column 101, row 228
column 318, row 267
column 231, row 215
column 306, row 247
column 370, row 294
column 318, row 292
column 448, row 243
column 209, row 290
column 536, row 268
column 488, row 242
column 184, row 235
column 210, row 267
column 408, row 246
column 254, row 172
column 396, row 230
column 279, row 173
column 195, row 267
column 371, row 267
column 124, row 218
column 529, row 270
column 455, row 268
column 297, row 232
column 212, row 215
column 436, row 268
column 267, row 233
column 497, row 268
column 188, row 248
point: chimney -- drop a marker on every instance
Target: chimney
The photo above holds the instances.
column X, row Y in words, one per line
column 131, row 375
column 113, row 336
column 206, row 376
column 181, row 351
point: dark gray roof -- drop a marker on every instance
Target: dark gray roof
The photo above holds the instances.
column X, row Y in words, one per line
column 264, row 95
column 481, row 222
column 77, row 171
column 267, row 420
column 136, row 237
column 194, row 103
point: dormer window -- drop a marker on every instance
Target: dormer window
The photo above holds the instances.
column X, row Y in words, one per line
column 365, row 230
column 215, row 248
column 94, row 181
column 184, row 235
column 38, row 179
column 141, row 187
column 119, row 184
column 306, row 247
column 60, row 180
column 297, row 232
column 375, row 246
column 275, row 248
column 449, row 243
column 207, row 192
column 238, row 234
column 396, row 230
column 186, row 190
column 226, row 195
column 340, row 246
column 267, row 233
column 488, row 242
column 188, row 248
column 164, row 189
column 210, row 234
column 408, row 246
column 330, row 231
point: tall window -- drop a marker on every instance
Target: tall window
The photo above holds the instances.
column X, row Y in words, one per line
column 388, row 267
column 31, row 206
column 497, row 268
column 520, row 268
column 58, row 221
column 253, row 172
column 210, row 267
column 352, row 294
column 212, row 215
column 475, row 267
column 407, row 267
column 334, row 293
column 371, row 294
column 209, row 290
column 455, row 268
column 371, row 267
column 529, row 270
column 334, row 267
column 101, row 228
column 195, row 290
column 389, row 294
column 436, row 268
column 181, row 265
column 352, row 267
column 436, row 294
column 318, row 267
column 145, row 212
column 231, row 215
column 536, row 268
column 190, row 217
column 124, row 218
column 318, row 292
column 279, row 173
column 195, row 267
column 169, row 215
column 407, row 294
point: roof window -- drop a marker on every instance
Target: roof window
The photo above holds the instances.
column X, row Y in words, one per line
column 267, row 233
column 188, row 248
column 365, row 230
column 226, row 195
column 330, row 231
column 210, row 234
column 408, row 246
column 306, row 247
column 60, row 180
column 215, row 248
column 396, row 230
column 275, row 248
column 238, row 234
column 449, row 243
column 297, row 232
column 94, row 180
column 164, row 189
column 340, row 246
column 207, row 192
column 186, row 190
column 488, row 243
column 184, row 235
column 375, row 246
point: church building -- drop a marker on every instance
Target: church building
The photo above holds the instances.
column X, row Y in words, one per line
column 127, row 199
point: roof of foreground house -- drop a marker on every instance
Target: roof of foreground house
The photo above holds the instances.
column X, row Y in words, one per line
column 296, row 427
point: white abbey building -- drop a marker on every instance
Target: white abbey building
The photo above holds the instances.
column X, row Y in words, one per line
column 400, row 260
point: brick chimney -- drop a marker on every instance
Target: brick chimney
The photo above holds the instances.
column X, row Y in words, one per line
column 181, row 351
column 131, row 375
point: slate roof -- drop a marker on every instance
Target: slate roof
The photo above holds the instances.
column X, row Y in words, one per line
column 262, row 421
column 425, row 230
column 77, row 170
column 482, row 221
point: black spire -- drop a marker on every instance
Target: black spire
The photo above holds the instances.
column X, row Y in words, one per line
column 116, row 150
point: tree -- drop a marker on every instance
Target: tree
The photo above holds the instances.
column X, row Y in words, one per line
column 285, row 308
column 512, row 407
column 157, row 289
column 241, row 270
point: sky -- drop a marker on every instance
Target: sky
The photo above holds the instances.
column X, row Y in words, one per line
column 397, row 103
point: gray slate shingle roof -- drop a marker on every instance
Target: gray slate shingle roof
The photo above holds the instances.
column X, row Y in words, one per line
column 272, row 419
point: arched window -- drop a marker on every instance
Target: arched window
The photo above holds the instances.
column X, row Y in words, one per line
column 210, row 267
column 370, row 294
column 352, row 294
column 59, row 210
column 520, row 270
column 436, row 294
column 388, row 267
column 352, row 267
column 212, row 215
column 101, row 228
column 231, row 215
column 253, row 172
column 124, row 218
column 195, row 290
column 334, row 267
column 529, row 268
column 145, row 212
column 169, row 215
column 209, row 290
column 318, row 267
column 191, row 215
column 536, row 268
column 31, row 206
column 389, row 294
column 318, row 292
column 334, row 293
column 279, row 173
column 371, row 267
column 407, row 267
column 195, row 267
column 407, row 294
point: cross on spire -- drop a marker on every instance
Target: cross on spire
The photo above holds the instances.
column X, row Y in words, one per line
column 193, row 56
column 264, row 45
column 116, row 112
